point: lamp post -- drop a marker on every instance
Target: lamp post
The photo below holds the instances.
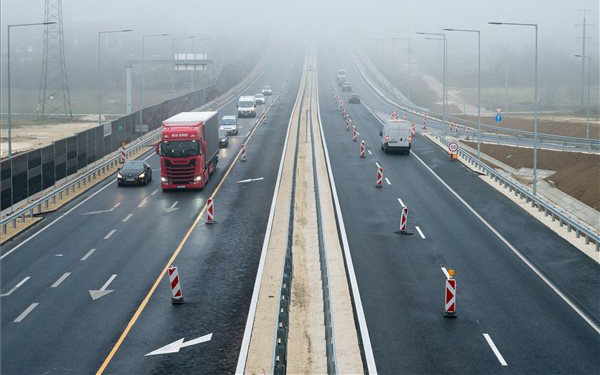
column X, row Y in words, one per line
column 409, row 75
column 478, row 86
column 445, row 93
column 100, row 33
column 535, row 104
column 587, row 111
column 8, row 79
column 144, row 72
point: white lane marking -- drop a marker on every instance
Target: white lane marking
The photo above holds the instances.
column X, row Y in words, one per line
column 154, row 192
column 388, row 181
column 12, row 290
column 87, row 255
column 250, row 180
column 116, row 205
column 60, row 280
column 512, row 248
column 401, row 203
column 445, row 272
column 53, row 222
column 172, row 208
column 127, row 218
column 241, row 364
column 377, row 164
column 420, row 232
column 369, row 151
column 143, row 202
column 175, row 346
column 102, row 211
column 58, row 255
column 149, row 156
column 26, row 312
column 110, row 234
column 360, row 314
column 95, row 294
column 495, row 349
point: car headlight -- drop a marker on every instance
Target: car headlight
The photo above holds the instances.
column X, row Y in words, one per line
column 119, row 175
column 163, row 179
column 142, row 175
column 197, row 178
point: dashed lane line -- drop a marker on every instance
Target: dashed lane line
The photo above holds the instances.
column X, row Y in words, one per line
column 110, row 234
column 495, row 349
column 420, row 232
column 24, row 314
column 60, row 280
column 87, row 255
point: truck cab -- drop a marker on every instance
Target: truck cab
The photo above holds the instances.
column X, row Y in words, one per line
column 246, row 106
column 396, row 136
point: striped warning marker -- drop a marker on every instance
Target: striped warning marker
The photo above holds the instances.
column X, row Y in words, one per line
column 362, row 148
column 379, row 177
column 450, row 296
column 243, row 156
column 210, row 211
column 176, row 293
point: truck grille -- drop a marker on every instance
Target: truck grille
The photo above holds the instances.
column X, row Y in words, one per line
column 180, row 173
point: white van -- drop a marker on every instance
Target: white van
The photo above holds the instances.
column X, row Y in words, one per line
column 396, row 136
column 246, row 106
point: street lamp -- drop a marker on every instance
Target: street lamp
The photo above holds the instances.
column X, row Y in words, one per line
column 100, row 33
column 445, row 93
column 478, row 86
column 8, row 80
column 587, row 111
column 535, row 104
column 144, row 72
column 409, row 75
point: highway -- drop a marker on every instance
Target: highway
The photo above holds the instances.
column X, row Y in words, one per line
column 510, row 320
column 89, row 294
column 120, row 239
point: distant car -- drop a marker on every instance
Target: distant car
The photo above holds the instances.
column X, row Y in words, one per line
column 259, row 98
column 267, row 91
column 223, row 138
column 346, row 86
column 134, row 172
column 229, row 124
column 354, row 99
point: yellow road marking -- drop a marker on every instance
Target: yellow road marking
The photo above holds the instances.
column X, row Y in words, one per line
column 142, row 306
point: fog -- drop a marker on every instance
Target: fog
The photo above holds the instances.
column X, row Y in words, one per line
column 237, row 28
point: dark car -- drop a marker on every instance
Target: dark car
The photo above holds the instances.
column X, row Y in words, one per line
column 353, row 99
column 223, row 139
column 134, row 172
column 346, row 86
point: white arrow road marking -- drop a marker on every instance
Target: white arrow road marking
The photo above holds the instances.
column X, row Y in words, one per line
column 88, row 254
column 26, row 312
column 15, row 287
column 495, row 349
column 102, row 211
column 250, row 180
column 60, row 280
column 172, row 208
column 102, row 291
column 175, row 346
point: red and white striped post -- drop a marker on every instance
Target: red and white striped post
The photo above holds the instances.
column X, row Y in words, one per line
column 123, row 153
column 450, row 296
column 424, row 122
column 405, row 116
column 176, row 294
column 413, row 129
column 354, row 133
column 362, row 148
column 403, row 219
column 457, row 130
column 347, row 124
column 210, row 211
column 243, row 156
column 451, row 126
column 379, row 177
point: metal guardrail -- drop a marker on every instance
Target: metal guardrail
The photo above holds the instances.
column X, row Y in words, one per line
column 36, row 207
column 558, row 141
column 524, row 193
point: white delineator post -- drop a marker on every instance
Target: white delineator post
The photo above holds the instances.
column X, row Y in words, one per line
column 243, row 156
column 210, row 211
column 379, row 177
column 362, row 148
column 176, row 294
column 450, row 296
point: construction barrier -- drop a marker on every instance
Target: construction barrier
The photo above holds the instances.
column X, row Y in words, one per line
column 354, row 134
column 362, row 148
column 424, row 122
column 450, row 296
column 176, row 293
column 210, row 211
column 243, row 156
column 379, row 177
column 347, row 124
column 403, row 221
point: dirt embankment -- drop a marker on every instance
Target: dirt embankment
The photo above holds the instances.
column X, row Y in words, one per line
column 565, row 126
column 577, row 174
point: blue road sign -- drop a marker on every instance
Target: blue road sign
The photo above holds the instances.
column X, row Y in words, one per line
column 498, row 118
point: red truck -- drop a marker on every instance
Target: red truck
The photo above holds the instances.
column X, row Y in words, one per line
column 188, row 150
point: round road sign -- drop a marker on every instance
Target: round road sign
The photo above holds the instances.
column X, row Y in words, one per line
column 452, row 146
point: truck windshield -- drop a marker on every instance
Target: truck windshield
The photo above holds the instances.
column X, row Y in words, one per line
column 181, row 149
column 246, row 104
